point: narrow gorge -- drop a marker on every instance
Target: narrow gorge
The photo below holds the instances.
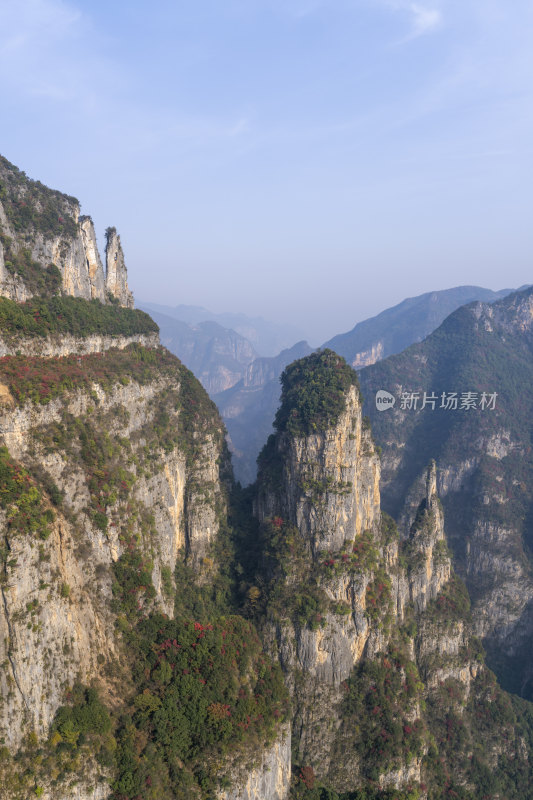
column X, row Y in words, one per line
column 165, row 633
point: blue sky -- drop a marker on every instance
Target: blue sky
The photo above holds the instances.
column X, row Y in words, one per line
column 312, row 161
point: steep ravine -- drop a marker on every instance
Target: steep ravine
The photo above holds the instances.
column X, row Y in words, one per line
column 114, row 488
column 160, row 642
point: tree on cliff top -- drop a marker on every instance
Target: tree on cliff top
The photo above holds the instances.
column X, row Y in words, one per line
column 314, row 393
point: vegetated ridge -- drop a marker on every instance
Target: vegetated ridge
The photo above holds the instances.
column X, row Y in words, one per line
column 166, row 634
column 248, row 409
column 410, row 321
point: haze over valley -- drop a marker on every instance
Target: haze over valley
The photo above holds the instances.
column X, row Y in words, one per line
column 342, row 627
column 266, row 400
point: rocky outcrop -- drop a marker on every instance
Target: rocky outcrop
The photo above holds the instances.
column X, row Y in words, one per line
column 267, row 779
column 48, row 637
column 370, row 356
column 95, row 269
column 78, row 791
column 85, row 789
column 354, row 609
column 40, row 227
column 329, row 482
column 116, row 280
column 113, row 519
column 430, row 566
column 326, row 498
column 10, row 285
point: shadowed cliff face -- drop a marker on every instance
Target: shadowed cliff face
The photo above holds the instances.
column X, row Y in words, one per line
column 485, row 474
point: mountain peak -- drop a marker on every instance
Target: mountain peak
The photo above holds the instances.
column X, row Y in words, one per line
column 47, row 247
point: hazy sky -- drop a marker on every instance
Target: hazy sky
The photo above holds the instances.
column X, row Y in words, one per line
column 314, row 161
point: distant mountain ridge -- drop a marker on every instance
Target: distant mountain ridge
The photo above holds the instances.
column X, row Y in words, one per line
column 218, row 356
column 484, row 458
column 245, row 386
column 410, row 321
column 247, row 408
column 266, row 337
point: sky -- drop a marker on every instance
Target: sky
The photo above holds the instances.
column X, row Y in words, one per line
column 310, row 161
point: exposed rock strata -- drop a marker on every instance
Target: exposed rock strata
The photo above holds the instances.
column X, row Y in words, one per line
column 65, row 345
column 329, row 482
column 329, row 490
column 370, row 356
column 92, row 256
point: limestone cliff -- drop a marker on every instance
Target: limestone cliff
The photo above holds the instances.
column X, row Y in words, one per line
column 116, row 280
column 97, row 523
column 329, row 483
column 114, row 480
column 158, row 642
column 430, row 567
column 328, row 493
column 92, row 257
column 113, row 500
column 47, row 247
column 67, row 345
column 120, row 640
column 371, row 630
column 268, row 777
